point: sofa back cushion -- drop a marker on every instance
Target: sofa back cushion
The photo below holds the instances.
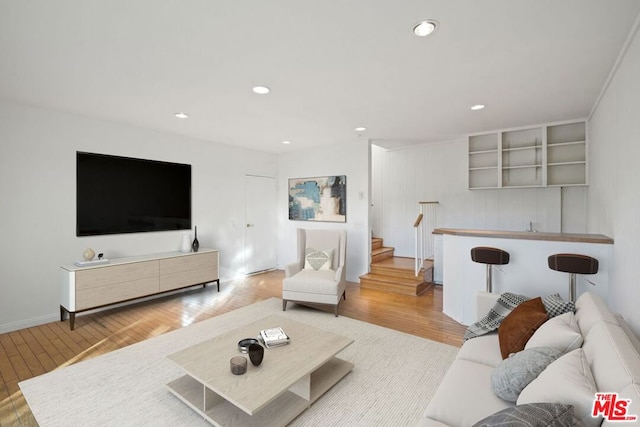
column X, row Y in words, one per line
column 613, row 359
column 591, row 309
column 633, row 408
column 325, row 240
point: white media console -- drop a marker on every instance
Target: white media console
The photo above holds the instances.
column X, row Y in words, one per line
column 124, row 279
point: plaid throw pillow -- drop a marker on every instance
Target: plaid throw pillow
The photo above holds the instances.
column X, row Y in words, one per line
column 505, row 304
column 555, row 305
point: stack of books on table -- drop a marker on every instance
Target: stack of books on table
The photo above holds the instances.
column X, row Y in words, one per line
column 274, row 337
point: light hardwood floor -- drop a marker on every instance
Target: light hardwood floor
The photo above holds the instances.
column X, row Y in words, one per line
column 34, row 351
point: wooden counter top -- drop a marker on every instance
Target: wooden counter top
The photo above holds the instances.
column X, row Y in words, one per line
column 527, row 235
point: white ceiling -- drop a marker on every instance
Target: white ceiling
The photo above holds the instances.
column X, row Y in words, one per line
column 331, row 65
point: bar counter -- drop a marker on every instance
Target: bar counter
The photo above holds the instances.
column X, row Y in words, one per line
column 527, row 235
column 527, row 272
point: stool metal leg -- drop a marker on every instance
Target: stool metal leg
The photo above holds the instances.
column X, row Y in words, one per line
column 572, row 287
column 489, row 279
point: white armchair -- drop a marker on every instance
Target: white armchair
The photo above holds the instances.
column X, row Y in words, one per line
column 319, row 274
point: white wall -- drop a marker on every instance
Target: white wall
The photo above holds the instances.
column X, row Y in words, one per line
column 437, row 172
column 37, row 199
column 350, row 159
column 614, row 194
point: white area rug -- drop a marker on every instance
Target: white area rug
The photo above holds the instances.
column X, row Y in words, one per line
column 394, row 377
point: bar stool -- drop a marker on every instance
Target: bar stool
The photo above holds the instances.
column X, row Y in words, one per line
column 573, row 264
column 489, row 256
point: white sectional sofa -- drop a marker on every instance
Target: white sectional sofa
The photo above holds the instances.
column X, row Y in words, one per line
column 608, row 361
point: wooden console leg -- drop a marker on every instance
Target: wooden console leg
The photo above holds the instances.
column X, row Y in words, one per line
column 62, row 311
column 218, row 282
column 284, row 305
column 72, row 320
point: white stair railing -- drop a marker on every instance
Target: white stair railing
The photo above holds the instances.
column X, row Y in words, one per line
column 424, row 225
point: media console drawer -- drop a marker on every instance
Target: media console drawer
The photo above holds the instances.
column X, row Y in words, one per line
column 117, row 292
column 107, row 274
column 123, row 279
column 178, row 272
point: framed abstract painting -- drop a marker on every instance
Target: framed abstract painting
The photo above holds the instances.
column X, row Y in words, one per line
column 318, row 199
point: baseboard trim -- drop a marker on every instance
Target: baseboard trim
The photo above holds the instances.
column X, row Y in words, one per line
column 55, row 317
column 27, row 323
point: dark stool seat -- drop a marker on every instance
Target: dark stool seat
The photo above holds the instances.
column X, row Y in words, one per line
column 489, row 256
column 573, row 264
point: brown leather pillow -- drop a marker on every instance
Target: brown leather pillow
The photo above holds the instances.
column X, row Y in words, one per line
column 519, row 325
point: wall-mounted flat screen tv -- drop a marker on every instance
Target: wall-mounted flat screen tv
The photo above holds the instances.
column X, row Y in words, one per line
column 125, row 195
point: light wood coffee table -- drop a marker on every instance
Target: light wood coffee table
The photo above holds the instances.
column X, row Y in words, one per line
column 288, row 381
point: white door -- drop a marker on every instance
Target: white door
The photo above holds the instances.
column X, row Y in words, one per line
column 260, row 236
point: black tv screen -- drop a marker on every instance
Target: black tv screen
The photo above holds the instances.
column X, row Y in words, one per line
column 126, row 195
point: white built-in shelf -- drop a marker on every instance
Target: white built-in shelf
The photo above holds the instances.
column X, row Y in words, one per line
column 483, row 168
column 552, row 154
column 483, row 151
column 532, row 147
column 558, row 144
column 521, row 167
column 566, row 163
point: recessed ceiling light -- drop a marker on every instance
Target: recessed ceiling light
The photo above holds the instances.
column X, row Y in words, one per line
column 424, row 28
column 261, row 90
column 478, row 107
column 181, row 115
column 360, row 129
column 286, row 142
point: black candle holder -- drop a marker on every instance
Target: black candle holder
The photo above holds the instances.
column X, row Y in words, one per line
column 256, row 354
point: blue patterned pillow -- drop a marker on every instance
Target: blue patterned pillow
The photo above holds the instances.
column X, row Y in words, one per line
column 515, row 372
column 531, row 415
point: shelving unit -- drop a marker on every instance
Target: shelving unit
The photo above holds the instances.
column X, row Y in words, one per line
column 522, row 158
column 545, row 155
column 567, row 154
column 483, row 161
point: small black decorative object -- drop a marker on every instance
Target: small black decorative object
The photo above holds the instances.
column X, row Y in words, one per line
column 256, row 354
column 195, row 245
column 244, row 344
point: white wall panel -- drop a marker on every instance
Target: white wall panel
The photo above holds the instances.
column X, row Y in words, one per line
column 436, row 172
column 37, row 190
column 614, row 197
column 350, row 159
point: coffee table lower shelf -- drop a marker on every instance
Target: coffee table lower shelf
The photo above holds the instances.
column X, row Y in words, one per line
column 281, row 411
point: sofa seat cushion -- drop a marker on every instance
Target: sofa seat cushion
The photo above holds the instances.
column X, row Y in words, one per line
column 568, row 380
column 483, row 349
column 464, row 396
column 312, row 281
column 561, row 332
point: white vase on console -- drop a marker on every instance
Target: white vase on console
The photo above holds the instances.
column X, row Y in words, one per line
column 186, row 243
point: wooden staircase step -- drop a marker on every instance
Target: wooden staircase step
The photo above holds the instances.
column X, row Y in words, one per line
column 395, row 274
column 382, row 253
column 376, row 243
column 399, row 267
column 400, row 285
